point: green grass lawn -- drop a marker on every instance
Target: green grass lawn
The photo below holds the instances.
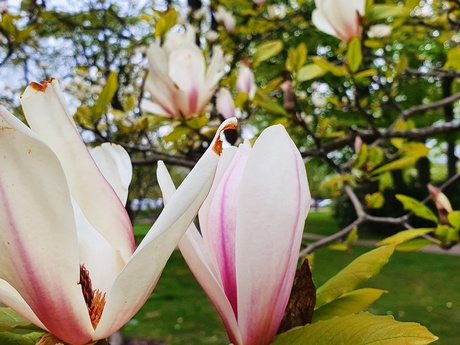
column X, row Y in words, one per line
column 422, row 287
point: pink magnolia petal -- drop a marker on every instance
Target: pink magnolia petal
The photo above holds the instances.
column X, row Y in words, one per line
column 154, row 108
column 115, row 164
column 224, row 103
column 273, row 205
column 187, row 71
column 38, row 247
column 137, row 280
column 48, row 116
column 194, row 251
column 221, row 227
column 158, row 83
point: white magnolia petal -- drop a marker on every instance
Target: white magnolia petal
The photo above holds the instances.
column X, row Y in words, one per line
column 273, row 205
column 101, row 260
column 137, row 280
column 48, row 116
column 322, row 23
column 224, row 103
column 195, row 254
column 11, row 298
column 115, row 164
column 158, row 83
column 38, row 246
column 153, row 108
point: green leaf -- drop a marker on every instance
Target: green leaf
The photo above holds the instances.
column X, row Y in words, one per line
column 197, row 122
column 357, row 272
column 267, row 50
column 358, row 329
column 106, row 95
column 264, row 101
column 9, row 320
column 454, row 219
column 405, row 235
column 453, row 58
column 376, row 156
column 349, row 303
column 176, row 133
column 336, row 180
column 413, row 245
column 375, row 200
column 362, row 156
column 166, row 22
column 416, row 207
column 397, row 164
column 309, row 72
column 338, row 71
column 446, row 233
column 379, row 12
column 20, row 337
column 354, row 54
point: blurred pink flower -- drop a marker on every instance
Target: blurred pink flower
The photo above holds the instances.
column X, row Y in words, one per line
column 339, row 18
column 251, row 229
column 179, row 81
column 224, row 103
column 226, row 18
column 245, row 81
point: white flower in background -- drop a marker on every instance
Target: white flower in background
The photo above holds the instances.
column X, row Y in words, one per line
column 276, row 11
column 379, row 31
column 339, row 18
column 226, row 18
column 318, row 99
column 245, row 81
column 212, row 36
column 180, row 82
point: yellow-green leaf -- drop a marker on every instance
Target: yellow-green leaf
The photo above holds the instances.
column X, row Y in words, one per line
column 166, row 22
column 358, row 329
column 20, row 337
column 362, row 156
column 354, row 54
column 406, row 235
column 197, row 122
column 400, row 163
column 416, row 207
column 454, row 219
column 176, row 133
column 453, row 58
column 338, row 71
column 310, row 71
column 375, row 200
column 264, row 101
column 349, row 303
column 379, row 12
column 106, row 95
column 267, row 50
column 413, row 245
column 357, row 272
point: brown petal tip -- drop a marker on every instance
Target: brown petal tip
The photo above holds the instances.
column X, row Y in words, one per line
column 41, row 87
column 231, row 123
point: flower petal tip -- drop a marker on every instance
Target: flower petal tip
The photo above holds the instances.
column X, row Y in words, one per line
column 231, row 123
column 41, row 87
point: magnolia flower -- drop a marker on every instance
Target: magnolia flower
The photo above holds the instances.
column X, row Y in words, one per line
column 224, row 103
column 245, row 81
column 339, row 18
column 179, row 81
column 226, row 18
column 68, row 262
column 251, row 229
column 379, row 31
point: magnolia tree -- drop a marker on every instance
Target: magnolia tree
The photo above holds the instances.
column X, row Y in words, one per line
column 364, row 93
